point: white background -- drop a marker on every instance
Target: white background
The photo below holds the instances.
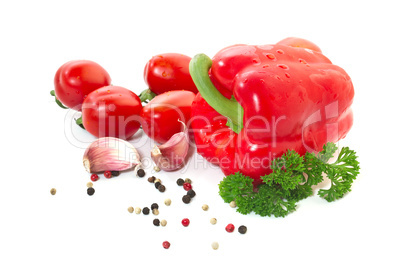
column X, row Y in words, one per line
column 72, row 229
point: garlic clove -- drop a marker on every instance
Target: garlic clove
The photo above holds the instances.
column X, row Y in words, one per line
column 171, row 155
column 109, row 153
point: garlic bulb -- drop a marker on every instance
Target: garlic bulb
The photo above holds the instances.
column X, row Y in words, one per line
column 170, row 156
column 112, row 154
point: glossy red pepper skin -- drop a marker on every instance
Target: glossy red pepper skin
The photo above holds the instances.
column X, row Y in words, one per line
column 291, row 95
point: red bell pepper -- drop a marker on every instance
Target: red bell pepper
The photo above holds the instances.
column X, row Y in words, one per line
column 256, row 102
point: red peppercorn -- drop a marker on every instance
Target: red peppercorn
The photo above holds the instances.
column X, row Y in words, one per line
column 107, row 174
column 94, row 177
column 230, row 228
column 187, row 186
column 185, row 222
column 166, row 244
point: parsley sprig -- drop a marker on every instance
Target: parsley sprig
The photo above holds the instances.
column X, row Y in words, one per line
column 291, row 180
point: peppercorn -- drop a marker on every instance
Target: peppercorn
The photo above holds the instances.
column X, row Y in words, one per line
column 156, row 222
column 180, row 182
column 94, row 177
column 213, row 221
column 140, row 173
column 157, row 184
column 186, row 199
column 107, row 174
column 137, row 210
column 145, row 210
column 215, row 245
column 205, row 207
column 168, row 202
column 90, row 184
column 187, row 180
column 191, row 193
column 53, row 191
column 229, row 228
column 185, row 222
column 187, row 186
column 157, row 180
column 232, row 204
column 242, row 229
column 130, row 209
column 154, row 205
column 163, row 222
column 151, row 179
column 90, row 191
column 155, row 211
column 162, row 188
column 115, row 173
column 157, row 169
column 166, row 244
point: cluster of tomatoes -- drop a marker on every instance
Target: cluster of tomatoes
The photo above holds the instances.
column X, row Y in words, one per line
column 114, row 111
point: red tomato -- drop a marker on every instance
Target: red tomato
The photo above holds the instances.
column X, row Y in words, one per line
column 74, row 80
column 112, row 111
column 167, row 72
column 160, row 116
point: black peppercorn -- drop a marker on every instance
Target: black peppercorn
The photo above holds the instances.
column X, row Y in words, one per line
column 157, row 184
column 242, row 229
column 145, row 211
column 156, row 222
column 180, row 182
column 162, row 188
column 186, row 199
column 90, row 191
column 151, row 179
column 140, row 173
column 191, row 193
column 154, row 205
column 115, row 173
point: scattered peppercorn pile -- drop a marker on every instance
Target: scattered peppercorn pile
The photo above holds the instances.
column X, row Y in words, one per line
column 190, row 194
column 158, row 183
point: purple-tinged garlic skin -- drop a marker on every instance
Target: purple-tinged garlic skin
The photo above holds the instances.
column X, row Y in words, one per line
column 109, row 153
column 171, row 155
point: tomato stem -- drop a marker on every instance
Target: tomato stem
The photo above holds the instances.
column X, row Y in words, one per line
column 78, row 121
column 57, row 101
column 230, row 108
column 146, row 95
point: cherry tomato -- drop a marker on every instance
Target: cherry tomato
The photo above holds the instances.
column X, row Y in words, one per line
column 112, row 111
column 160, row 116
column 167, row 72
column 74, row 80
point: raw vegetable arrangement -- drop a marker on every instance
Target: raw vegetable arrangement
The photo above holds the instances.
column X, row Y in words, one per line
column 268, row 115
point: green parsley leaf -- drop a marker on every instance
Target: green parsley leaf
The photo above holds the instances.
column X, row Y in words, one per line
column 291, row 180
column 286, row 171
column 342, row 173
column 234, row 186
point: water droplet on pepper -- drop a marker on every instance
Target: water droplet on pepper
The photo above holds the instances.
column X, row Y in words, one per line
column 256, row 61
column 270, row 56
column 302, row 61
column 283, row 66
